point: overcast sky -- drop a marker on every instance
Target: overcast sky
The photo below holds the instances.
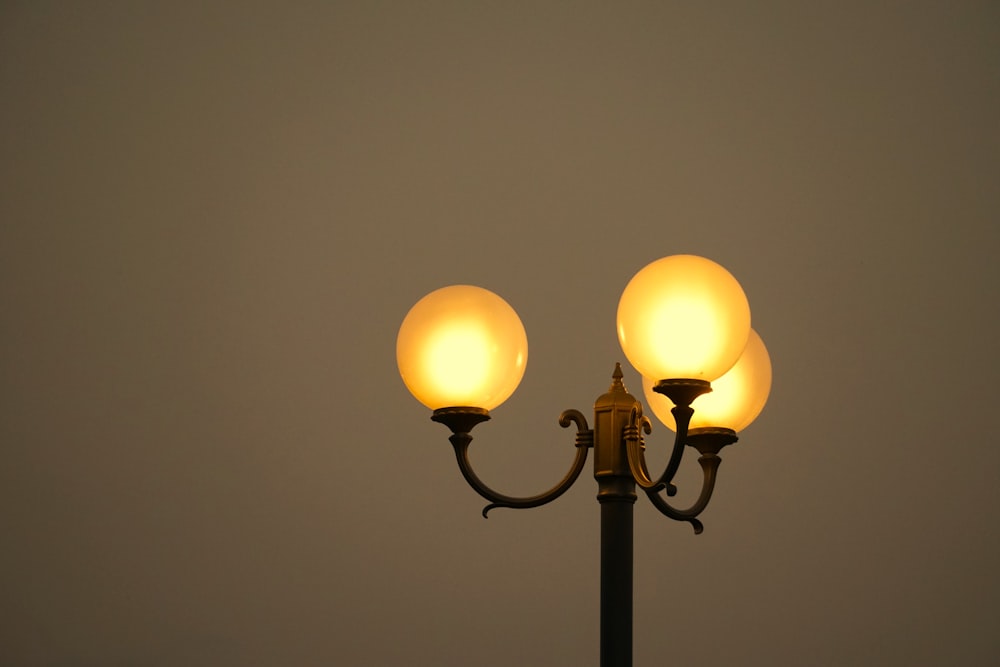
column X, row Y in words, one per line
column 214, row 217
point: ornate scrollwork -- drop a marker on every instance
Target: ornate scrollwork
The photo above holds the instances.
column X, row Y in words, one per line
column 637, row 425
column 461, row 440
column 707, row 441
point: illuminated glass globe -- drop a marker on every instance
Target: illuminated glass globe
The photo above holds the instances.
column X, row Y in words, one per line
column 461, row 346
column 683, row 316
column 736, row 398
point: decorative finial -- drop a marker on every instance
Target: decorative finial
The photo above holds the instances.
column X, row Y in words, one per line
column 616, row 380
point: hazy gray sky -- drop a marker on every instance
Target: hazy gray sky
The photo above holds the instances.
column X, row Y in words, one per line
column 214, row 216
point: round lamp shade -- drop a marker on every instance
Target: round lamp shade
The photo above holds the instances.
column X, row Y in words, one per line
column 736, row 398
column 683, row 316
column 461, row 346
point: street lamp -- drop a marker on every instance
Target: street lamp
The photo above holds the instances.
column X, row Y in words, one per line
column 683, row 323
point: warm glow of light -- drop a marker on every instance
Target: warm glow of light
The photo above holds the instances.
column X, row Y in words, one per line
column 457, row 357
column 683, row 316
column 461, row 346
column 736, row 398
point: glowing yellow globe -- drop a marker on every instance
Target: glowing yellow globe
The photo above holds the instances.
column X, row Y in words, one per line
column 461, row 346
column 683, row 316
column 736, row 398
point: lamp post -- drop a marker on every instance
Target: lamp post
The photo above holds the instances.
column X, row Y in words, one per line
column 683, row 323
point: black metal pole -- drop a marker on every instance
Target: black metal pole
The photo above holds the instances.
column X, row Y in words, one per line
column 616, row 576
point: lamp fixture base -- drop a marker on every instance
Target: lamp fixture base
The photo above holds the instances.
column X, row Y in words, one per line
column 461, row 420
column 682, row 391
column 710, row 439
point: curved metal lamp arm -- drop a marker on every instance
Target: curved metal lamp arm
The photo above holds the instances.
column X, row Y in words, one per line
column 708, row 441
column 462, row 420
column 709, row 465
column 635, row 447
column 681, row 393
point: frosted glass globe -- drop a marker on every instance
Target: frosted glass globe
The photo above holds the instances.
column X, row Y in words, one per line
column 736, row 398
column 683, row 316
column 461, row 346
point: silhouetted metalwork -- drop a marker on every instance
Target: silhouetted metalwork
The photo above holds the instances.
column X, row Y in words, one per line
column 619, row 465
